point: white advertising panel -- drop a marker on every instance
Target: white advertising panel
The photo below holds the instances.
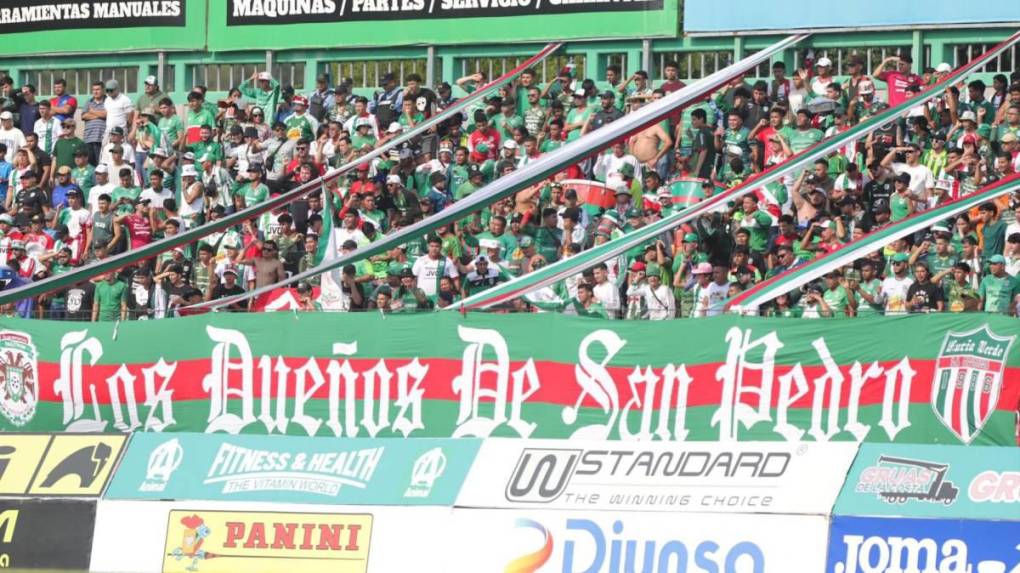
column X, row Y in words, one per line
column 744, row 477
column 610, row 542
column 222, row 537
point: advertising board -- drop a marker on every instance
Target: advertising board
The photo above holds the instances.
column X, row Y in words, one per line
column 530, row 376
column 211, row 537
column 739, row 477
column 608, row 542
column 62, row 465
column 882, row 545
column 46, row 534
column 293, row 469
column 960, row 482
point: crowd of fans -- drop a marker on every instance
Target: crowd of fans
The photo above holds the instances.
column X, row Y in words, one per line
column 84, row 179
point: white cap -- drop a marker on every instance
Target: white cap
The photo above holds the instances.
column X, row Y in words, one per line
column 151, row 80
column 188, row 170
column 823, row 61
column 579, row 92
column 393, row 179
column 509, row 144
column 102, row 168
column 393, row 128
column 968, row 116
column 6, row 115
column 943, row 68
column 265, row 76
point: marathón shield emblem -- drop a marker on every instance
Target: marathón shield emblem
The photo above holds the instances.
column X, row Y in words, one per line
column 19, row 381
column 968, row 377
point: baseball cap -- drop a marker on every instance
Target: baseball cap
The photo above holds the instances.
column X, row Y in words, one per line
column 112, row 84
column 27, row 174
column 300, row 100
column 230, row 271
column 151, row 80
column 968, row 116
column 102, row 168
column 903, row 178
column 509, row 144
column 525, row 242
column 406, row 272
column 117, row 131
column 943, row 68
column 637, row 266
column 265, row 76
column 900, row 258
column 393, row 128
column 63, row 170
column 691, row 238
column 393, row 179
column 608, row 94
column 823, row 61
column 579, row 92
column 997, row 260
column 702, row 269
column 1008, row 138
column 6, row 115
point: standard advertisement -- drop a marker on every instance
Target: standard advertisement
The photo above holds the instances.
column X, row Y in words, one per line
column 221, row 537
column 63, row 465
column 749, row 477
column 293, row 469
column 606, row 542
column 877, row 545
column 46, row 534
column 962, row 482
column 529, row 376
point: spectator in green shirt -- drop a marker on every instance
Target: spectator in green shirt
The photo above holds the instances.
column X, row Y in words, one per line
column 998, row 290
column 264, row 90
column 110, row 302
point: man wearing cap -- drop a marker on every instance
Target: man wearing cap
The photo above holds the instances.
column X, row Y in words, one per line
column 253, row 190
column 895, row 288
column 999, row 290
column 300, row 124
column 922, row 181
column 263, row 90
column 192, row 205
column 78, row 221
column 482, row 277
column 120, row 111
column 10, row 135
column 387, row 101
column 578, row 115
column 151, row 95
column 67, row 146
column 115, row 139
column 31, row 199
column 321, row 99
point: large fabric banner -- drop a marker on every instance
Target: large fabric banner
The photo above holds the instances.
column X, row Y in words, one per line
column 530, row 376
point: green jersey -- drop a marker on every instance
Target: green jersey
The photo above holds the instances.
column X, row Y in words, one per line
column 801, row 139
column 84, row 177
column 268, row 100
column 958, row 295
column 253, row 194
column 838, row 300
column 108, row 298
column 170, row 130
column 865, row 308
column 998, row 293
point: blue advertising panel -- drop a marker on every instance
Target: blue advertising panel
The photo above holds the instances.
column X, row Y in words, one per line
column 881, row 545
column 293, row 469
column 704, row 16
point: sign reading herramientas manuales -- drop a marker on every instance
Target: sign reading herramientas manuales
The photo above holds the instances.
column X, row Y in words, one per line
column 249, row 12
column 35, row 15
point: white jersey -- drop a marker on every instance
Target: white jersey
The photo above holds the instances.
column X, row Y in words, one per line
column 429, row 272
column 894, row 293
column 708, row 301
column 609, row 296
column 660, row 302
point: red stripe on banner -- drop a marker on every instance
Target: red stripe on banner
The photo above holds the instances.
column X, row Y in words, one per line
column 954, row 415
column 556, row 380
column 969, row 362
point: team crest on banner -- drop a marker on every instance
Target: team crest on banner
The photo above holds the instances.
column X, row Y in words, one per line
column 19, row 382
column 968, row 377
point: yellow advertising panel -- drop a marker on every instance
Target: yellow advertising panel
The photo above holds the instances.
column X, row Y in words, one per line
column 266, row 542
column 20, row 455
column 77, row 464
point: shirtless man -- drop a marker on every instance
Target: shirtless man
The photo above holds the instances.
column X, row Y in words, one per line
column 651, row 144
column 268, row 267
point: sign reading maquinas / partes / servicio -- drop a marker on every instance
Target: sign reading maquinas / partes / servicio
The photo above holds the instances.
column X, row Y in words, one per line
column 293, row 469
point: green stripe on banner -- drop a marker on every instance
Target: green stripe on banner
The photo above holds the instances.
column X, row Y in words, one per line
column 546, row 166
column 794, row 278
column 568, row 267
column 71, row 277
